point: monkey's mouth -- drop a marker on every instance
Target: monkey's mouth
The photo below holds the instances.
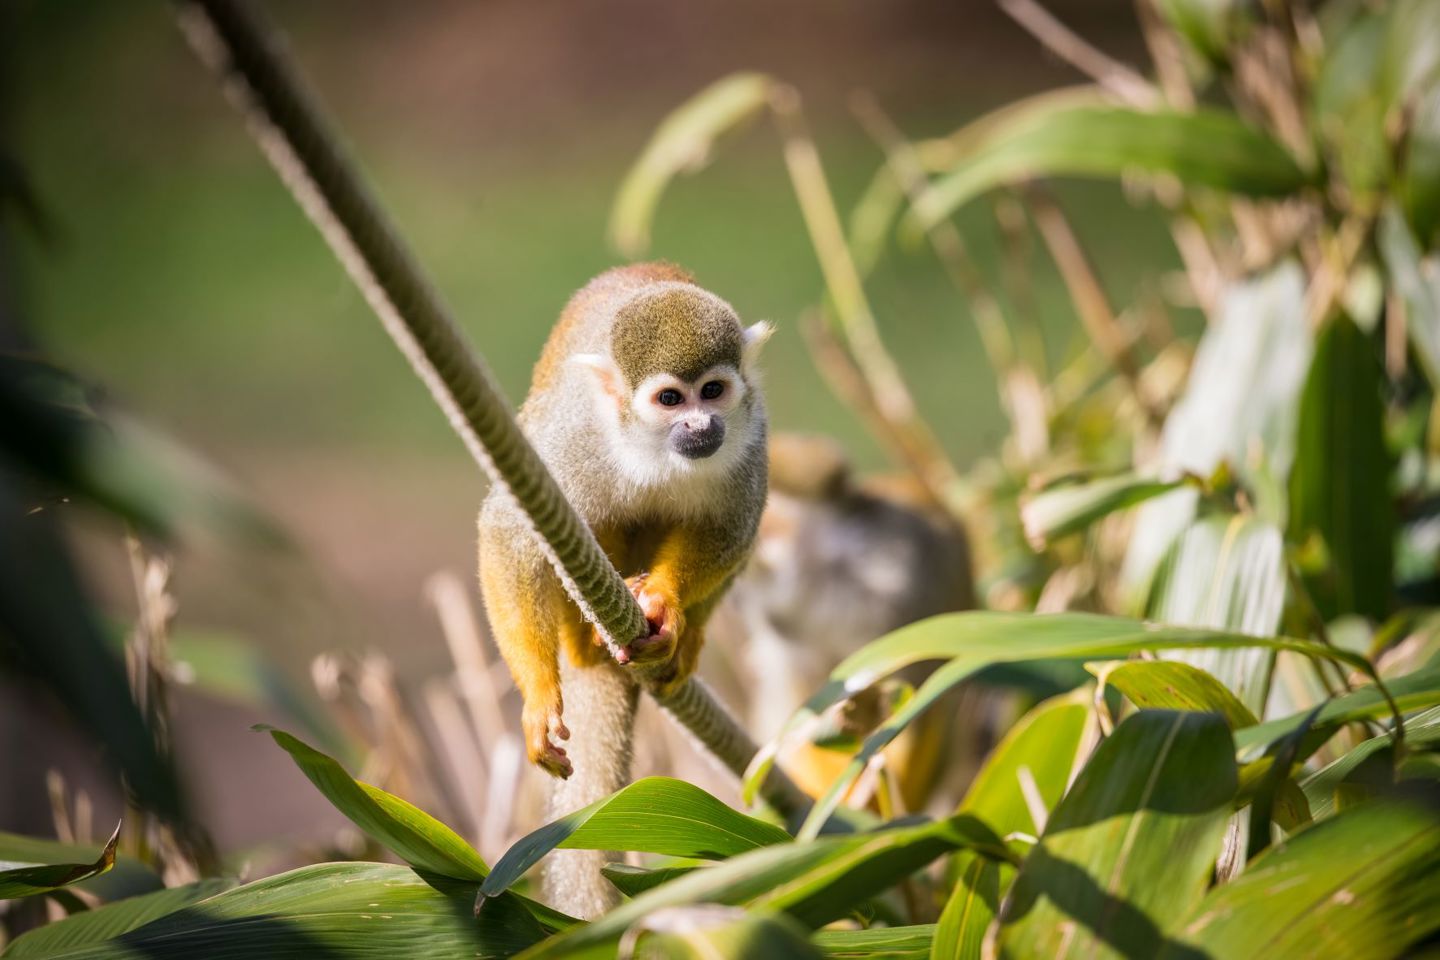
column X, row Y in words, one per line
column 696, row 442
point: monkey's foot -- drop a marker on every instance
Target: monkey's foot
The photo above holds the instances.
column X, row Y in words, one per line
column 540, row 726
column 665, row 620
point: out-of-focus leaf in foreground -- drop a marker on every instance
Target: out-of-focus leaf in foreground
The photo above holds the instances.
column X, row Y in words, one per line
column 335, row 911
column 20, row 879
column 111, row 920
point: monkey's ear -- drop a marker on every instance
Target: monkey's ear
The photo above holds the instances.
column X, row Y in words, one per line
column 606, row 373
column 754, row 337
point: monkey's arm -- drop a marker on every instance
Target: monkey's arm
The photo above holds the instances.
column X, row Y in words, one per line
column 529, row 612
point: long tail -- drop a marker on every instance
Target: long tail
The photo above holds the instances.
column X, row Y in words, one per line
column 600, row 706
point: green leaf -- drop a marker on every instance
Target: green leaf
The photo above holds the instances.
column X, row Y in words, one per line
column 1044, row 742
column 127, row 878
column 335, row 911
column 1414, row 691
column 1226, row 572
column 111, row 920
column 409, row 832
column 633, row 881
column 654, row 815
column 973, row 904
column 1239, row 409
column 723, row 933
column 1283, row 756
column 892, row 943
column 1130, row 849
column 682, row 142
column 48, row 627
column 21, row 879
column 977, row 639
column 1359, row 885
column 814, row 882
column 1420, row 292
column 1209, row 26
column 1421, row 730
column 1340, row 487
column 1071, row 507
column 1206, row 148
column 1170, row 685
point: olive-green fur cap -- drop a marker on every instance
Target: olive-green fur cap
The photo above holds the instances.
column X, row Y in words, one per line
column 678, row 329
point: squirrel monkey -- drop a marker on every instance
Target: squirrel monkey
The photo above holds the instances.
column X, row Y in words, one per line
column 646, row 408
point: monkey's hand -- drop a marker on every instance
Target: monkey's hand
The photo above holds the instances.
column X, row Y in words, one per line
column 665, row 619
column 540, row 725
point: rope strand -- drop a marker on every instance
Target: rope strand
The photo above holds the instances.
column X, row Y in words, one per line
column 232, row 40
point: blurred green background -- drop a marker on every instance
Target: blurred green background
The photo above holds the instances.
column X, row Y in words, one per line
column 182, row 278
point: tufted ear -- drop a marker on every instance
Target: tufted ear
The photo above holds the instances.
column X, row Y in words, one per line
column 754, row 338
column 607, row 375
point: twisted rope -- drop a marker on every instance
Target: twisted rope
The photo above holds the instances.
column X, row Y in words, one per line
column 244, row 51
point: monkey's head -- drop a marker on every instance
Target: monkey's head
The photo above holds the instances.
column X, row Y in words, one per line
column 679, row 389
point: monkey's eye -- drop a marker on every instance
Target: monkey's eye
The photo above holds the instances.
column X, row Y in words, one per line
column 670, row 398
column 712, row 390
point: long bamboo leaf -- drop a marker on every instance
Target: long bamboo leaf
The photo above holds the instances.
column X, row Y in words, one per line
column 1171, row 685
column 654, row 815
column 1071, row 507
column 111, row 920
column 1152, row 803
column 1415, row 691
column 814, row 882
column 1359, row 885
column 1044, row 743
column 891, row 943
column 411, row 833
column 682, row 142
column 1423, row 730
column 1206, row 148
column 1340, row 487
column 332, row 911
column 977, row 639
column 21, row 879
column 980, row 884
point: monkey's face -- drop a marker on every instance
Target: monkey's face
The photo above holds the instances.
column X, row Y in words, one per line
column 687, row 410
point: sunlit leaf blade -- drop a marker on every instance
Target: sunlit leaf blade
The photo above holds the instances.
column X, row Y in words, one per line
column 977, row 639
column 1360, row 885
column 682, row 142
column 892, row 943
column 1340, row 487
column 407, row 831
column 1226, row 572
column 1151, row 803
column 1044, row 743
column 654, row 815
column 20, row 879
column 1415, row 691
column 1206, row 148
column 975, row 900
column 721, row 933
column 633, row 881
column 111, row 920
column 813, row 882
column 1069, row 508
column 1419, row 289
column 1171, row 685
column 1240, row 407
column 335, row 911
column 1422, row 730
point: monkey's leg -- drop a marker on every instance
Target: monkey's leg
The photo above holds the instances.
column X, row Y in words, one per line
column 602, row 699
